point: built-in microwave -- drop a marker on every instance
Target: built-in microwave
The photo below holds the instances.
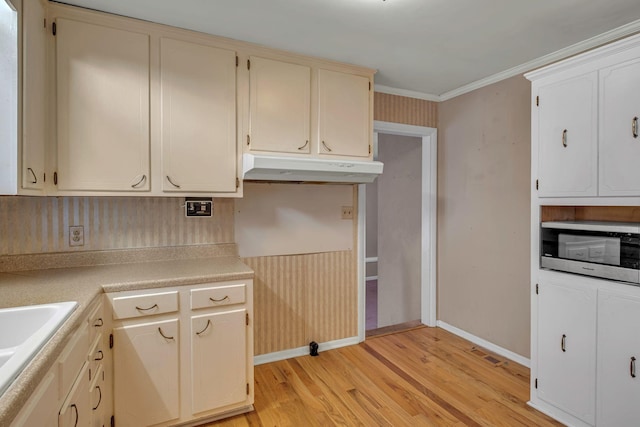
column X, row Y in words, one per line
column 610, row 250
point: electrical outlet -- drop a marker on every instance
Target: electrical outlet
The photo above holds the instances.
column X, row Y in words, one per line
column 76, row 235
column 347, row 212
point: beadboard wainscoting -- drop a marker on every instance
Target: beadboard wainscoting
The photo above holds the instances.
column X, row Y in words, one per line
column 303, row 298
column 33, row 225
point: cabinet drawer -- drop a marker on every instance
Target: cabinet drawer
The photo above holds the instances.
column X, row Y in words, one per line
column 216, row 296
column 145, row 305
column 96, row 322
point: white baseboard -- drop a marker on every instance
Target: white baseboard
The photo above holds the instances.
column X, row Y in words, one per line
column 486, row 344
column 303, row 351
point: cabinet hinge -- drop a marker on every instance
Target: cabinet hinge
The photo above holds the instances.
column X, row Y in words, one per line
column 110, row 340
column 248, row 139
column 537, row 292
column 369, row 148
column 536, row 383
column 537, row 184
column 237, row 182
column 247, row 319
column 113, row 421
column 237, row 61
column 537, row 101
column 54, row 28
column 248, row 64
column 55, row 178
column 369, row 85
column 44, row 177
column 247, row 388
column 45, row 22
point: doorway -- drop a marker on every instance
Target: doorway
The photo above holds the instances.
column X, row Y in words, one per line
column 409, row 255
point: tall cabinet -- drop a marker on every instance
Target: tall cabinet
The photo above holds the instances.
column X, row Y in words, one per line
column 585, row 151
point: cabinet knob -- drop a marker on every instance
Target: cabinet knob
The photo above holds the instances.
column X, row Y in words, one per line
column 99, row 398
column 326, row 146
column 632, row 367
column 634, row 127
column 564, row 138
column 205, row 327
column 172, row 183
column 563, row 343
column 35, row 178
column 143, row 179
column 305, row 144
column 164, row 336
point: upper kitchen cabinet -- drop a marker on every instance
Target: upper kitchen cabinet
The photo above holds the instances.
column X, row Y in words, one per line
column 280, row 106
column 198, row 117
column 584, row 128
column 102, row 112
column 308, row 107
column 23, row 97
column 344, row 114
column 619, row 128
column 567, row 146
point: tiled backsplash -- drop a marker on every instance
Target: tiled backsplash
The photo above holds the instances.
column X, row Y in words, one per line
column 30, row 225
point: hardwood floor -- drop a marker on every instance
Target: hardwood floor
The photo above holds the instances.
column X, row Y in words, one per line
column 421, row 377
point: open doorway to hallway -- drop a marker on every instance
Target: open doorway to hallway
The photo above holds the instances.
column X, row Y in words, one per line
column 394, row 234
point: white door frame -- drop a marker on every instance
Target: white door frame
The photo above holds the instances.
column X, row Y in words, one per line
column 429, row 203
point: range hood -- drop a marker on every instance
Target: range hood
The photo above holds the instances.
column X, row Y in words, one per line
column 277, row 168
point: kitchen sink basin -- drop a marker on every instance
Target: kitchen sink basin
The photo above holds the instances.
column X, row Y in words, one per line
column 23, row 331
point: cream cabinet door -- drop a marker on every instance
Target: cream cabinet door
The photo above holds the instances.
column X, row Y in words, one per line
column 567, row 132
column 146, row 373
column 34, row 100
column 218, row 360
column 102, row 108
column 618, row 355
column 198, row 102
column 620, row 130
column 280, row 106
column 344, row 118
column 566, row 346
column 76, row 409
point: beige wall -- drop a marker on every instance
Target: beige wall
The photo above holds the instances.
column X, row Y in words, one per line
column 399, row 229
column 484, row 213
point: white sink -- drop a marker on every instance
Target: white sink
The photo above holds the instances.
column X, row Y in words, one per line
column 23, row 331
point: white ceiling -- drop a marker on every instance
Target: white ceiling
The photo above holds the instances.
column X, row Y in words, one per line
column 429, row 47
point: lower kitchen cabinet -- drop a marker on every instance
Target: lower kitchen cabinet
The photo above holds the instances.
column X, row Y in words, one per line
column 147, row 373
column 566, row 364
column 618, row 354
column 183, row 354
column 218, row 360
column 76, row 409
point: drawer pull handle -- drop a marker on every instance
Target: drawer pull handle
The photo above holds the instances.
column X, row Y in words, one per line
column 164, row 336
column 205, row 327
column 148, row 308
column 564, row 138
column 143, row 179
column 326, row 147
column 226, row 297
column 172, row 183
column 305, row 144
column 99, row 322
column 35, row 178
column 634, row 127
column 563, row 343
column 75, row 408
column 99, row 398
column 99, row 355
column 632, row 367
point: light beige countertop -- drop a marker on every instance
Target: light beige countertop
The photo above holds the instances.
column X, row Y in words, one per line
column 84, row 284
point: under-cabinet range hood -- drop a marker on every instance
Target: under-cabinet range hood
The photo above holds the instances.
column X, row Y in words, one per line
column 277, row 168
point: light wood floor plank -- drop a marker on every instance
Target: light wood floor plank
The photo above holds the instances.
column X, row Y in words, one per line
column 421, row 377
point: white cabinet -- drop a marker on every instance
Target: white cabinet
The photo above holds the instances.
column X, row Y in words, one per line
column 182, row 354
column 567, row 138
column 280, row 106
column 618, row 354
column 146, row 373
column 566, row 370
column 198, row 103
column 218, row 359
column 344, row 114
column 619, row 129
column 76, row 409
column 102, row 108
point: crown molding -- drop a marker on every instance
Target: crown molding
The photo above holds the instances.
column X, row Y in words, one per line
column 609, row 36
column 406, row 92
